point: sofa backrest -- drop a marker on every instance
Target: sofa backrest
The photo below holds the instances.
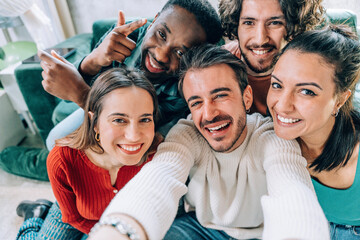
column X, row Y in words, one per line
column 342, row 16
column 100, row 27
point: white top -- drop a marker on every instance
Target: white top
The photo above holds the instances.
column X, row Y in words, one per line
column 265, row 180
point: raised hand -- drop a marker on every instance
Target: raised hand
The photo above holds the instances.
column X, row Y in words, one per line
column 115, row 47
column 62, row 79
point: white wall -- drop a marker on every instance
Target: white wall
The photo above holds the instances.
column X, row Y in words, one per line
column 21, row 33
column 353, row 5
column 85, row 12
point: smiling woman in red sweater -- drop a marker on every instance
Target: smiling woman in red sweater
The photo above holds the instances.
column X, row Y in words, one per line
column 88, row 167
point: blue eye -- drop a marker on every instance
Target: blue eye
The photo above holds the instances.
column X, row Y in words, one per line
column 308, row 92
column 119, row 120
column 275, row 85
column 194, row 104
column 221, row 95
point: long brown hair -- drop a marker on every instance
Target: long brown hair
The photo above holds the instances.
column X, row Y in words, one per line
column 115, row 78
column 339, row 47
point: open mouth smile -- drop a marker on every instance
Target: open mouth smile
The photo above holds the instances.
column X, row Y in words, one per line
column 130, row 149
column 287, row 120
column 218, row 128
column 261, row 52
column 152, row 65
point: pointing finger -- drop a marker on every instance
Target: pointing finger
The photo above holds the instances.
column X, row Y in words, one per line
column 121, row 19
column 130, row 27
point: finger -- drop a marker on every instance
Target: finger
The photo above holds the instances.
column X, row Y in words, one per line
column 57, row 56
column 121, row 19
column 45, row 77
column 123, row 49
column 117, row 56
column 124, row 46
column 130, row 27
column 46, row 86
column 44, row 56
column 44, row 66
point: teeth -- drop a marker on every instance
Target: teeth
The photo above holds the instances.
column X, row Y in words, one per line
column 130, row 149
column 218, row 127
column 153, row 63
column 287, row 120
column 260, row 52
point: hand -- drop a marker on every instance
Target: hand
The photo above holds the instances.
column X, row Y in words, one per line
column 116, row 46
column 109, row 232
column 62, row 79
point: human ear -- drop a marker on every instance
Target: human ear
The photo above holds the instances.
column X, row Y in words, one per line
column 342, row 98
column 248, row 97
column 91, row 116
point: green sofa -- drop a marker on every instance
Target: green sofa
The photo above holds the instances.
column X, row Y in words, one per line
column 41, row 104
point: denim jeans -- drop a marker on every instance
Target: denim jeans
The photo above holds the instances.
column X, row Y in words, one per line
column 187, row 227
column 65, row 127
column 344, row 232
column 50, row 228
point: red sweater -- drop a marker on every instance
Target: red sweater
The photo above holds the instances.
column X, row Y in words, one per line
column 82, row 189
column 259, row 84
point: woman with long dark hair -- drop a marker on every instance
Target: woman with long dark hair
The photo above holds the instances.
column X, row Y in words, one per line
column 310, row 99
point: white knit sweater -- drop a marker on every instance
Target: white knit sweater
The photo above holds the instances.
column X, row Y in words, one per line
column 261, row 189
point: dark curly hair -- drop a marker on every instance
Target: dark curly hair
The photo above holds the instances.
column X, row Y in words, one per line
column 300, row 16
column 205, row 14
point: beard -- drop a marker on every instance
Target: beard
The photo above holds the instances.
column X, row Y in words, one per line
column 258, row 68
column 240, row 126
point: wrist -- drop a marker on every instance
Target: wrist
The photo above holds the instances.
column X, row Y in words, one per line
column 89, row 65
column 118, row 224
column 82, row 97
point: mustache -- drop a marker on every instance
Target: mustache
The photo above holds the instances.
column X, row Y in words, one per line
column 266, row 45
column 216, row 119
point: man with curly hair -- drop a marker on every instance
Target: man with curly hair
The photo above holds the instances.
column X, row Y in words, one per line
column 261, row 28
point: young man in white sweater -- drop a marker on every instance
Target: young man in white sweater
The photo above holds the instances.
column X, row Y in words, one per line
column 244, row 183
